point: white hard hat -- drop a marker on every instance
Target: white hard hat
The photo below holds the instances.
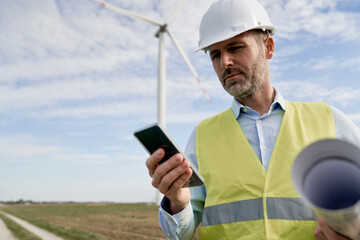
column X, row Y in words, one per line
column 227, row 18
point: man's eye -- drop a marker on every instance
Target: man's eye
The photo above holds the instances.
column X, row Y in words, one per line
column 214, row 56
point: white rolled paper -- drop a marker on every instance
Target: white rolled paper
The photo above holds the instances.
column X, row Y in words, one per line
column 326, row 174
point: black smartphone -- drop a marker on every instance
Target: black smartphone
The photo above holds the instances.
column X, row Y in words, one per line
column 153, row 137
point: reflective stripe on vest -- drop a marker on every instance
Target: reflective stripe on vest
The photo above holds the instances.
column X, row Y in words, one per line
column 252, row 209
column 245, row 210
column 289, row 209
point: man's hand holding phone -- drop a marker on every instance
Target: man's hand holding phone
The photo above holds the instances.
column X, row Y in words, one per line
column 169, row 178
column 171, row 171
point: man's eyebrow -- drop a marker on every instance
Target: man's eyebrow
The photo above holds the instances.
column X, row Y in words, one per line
column 228, row 45
column 234, row 43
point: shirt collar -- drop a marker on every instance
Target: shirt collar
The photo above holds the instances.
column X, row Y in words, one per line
column 279, row 102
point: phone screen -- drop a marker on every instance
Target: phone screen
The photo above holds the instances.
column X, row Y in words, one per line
column 153, row 137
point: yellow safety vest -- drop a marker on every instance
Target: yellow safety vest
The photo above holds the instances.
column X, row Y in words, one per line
column 243, row 200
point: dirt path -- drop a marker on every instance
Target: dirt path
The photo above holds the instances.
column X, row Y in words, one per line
column 5, row 232
column 45, row 235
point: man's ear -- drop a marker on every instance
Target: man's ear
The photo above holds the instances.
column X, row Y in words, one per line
column 269, row 47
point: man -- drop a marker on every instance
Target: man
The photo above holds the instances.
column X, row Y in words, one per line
column 245, row 154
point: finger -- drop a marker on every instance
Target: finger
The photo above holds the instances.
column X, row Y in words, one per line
column 166, row 167
column 182, row 180
column 319, row 235
column 152, row 161
column 175, row 179
column 176, row 190
column 329, row 233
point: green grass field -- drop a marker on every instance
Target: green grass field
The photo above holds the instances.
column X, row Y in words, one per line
column 93, row 221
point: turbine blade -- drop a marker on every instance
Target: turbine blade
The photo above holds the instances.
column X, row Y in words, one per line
column 129, row 13
column 175, row 11
column 187, row 61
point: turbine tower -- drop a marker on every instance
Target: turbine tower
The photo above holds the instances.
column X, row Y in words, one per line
column 163, row 28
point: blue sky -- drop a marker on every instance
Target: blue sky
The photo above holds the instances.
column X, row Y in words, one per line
column 76, row 80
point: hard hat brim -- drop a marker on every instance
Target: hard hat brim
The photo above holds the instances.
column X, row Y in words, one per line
column 204, row 45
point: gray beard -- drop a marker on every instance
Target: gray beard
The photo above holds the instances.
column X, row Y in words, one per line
column 252, row 83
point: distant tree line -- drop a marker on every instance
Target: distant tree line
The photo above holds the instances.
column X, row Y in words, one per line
column 20, row 201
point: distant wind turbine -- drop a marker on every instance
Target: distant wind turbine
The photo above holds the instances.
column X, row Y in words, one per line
column 163, row 27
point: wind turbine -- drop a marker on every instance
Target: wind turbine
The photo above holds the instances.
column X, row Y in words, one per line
column 163, row 28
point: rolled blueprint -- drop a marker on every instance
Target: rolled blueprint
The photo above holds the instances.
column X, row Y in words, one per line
column 327, row 176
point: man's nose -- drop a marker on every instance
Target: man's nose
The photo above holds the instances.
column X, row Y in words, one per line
column 226, row 60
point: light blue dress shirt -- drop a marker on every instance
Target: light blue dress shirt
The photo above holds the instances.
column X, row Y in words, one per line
column 261, row 132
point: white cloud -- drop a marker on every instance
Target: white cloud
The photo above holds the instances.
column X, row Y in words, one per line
column 318, row 91
column 73, row 90
column 281, row 63
column 351, row 63
column 323, row 63
column 27, row 147
column 51, row 67
column 321, row 19
column 141, row 109
column 288, row 51
column 36, row 24
column 83, row 159
column 140, row 158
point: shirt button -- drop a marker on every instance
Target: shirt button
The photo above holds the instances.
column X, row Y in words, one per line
column 259, row 121
column 264, row 147
column 245, row 110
